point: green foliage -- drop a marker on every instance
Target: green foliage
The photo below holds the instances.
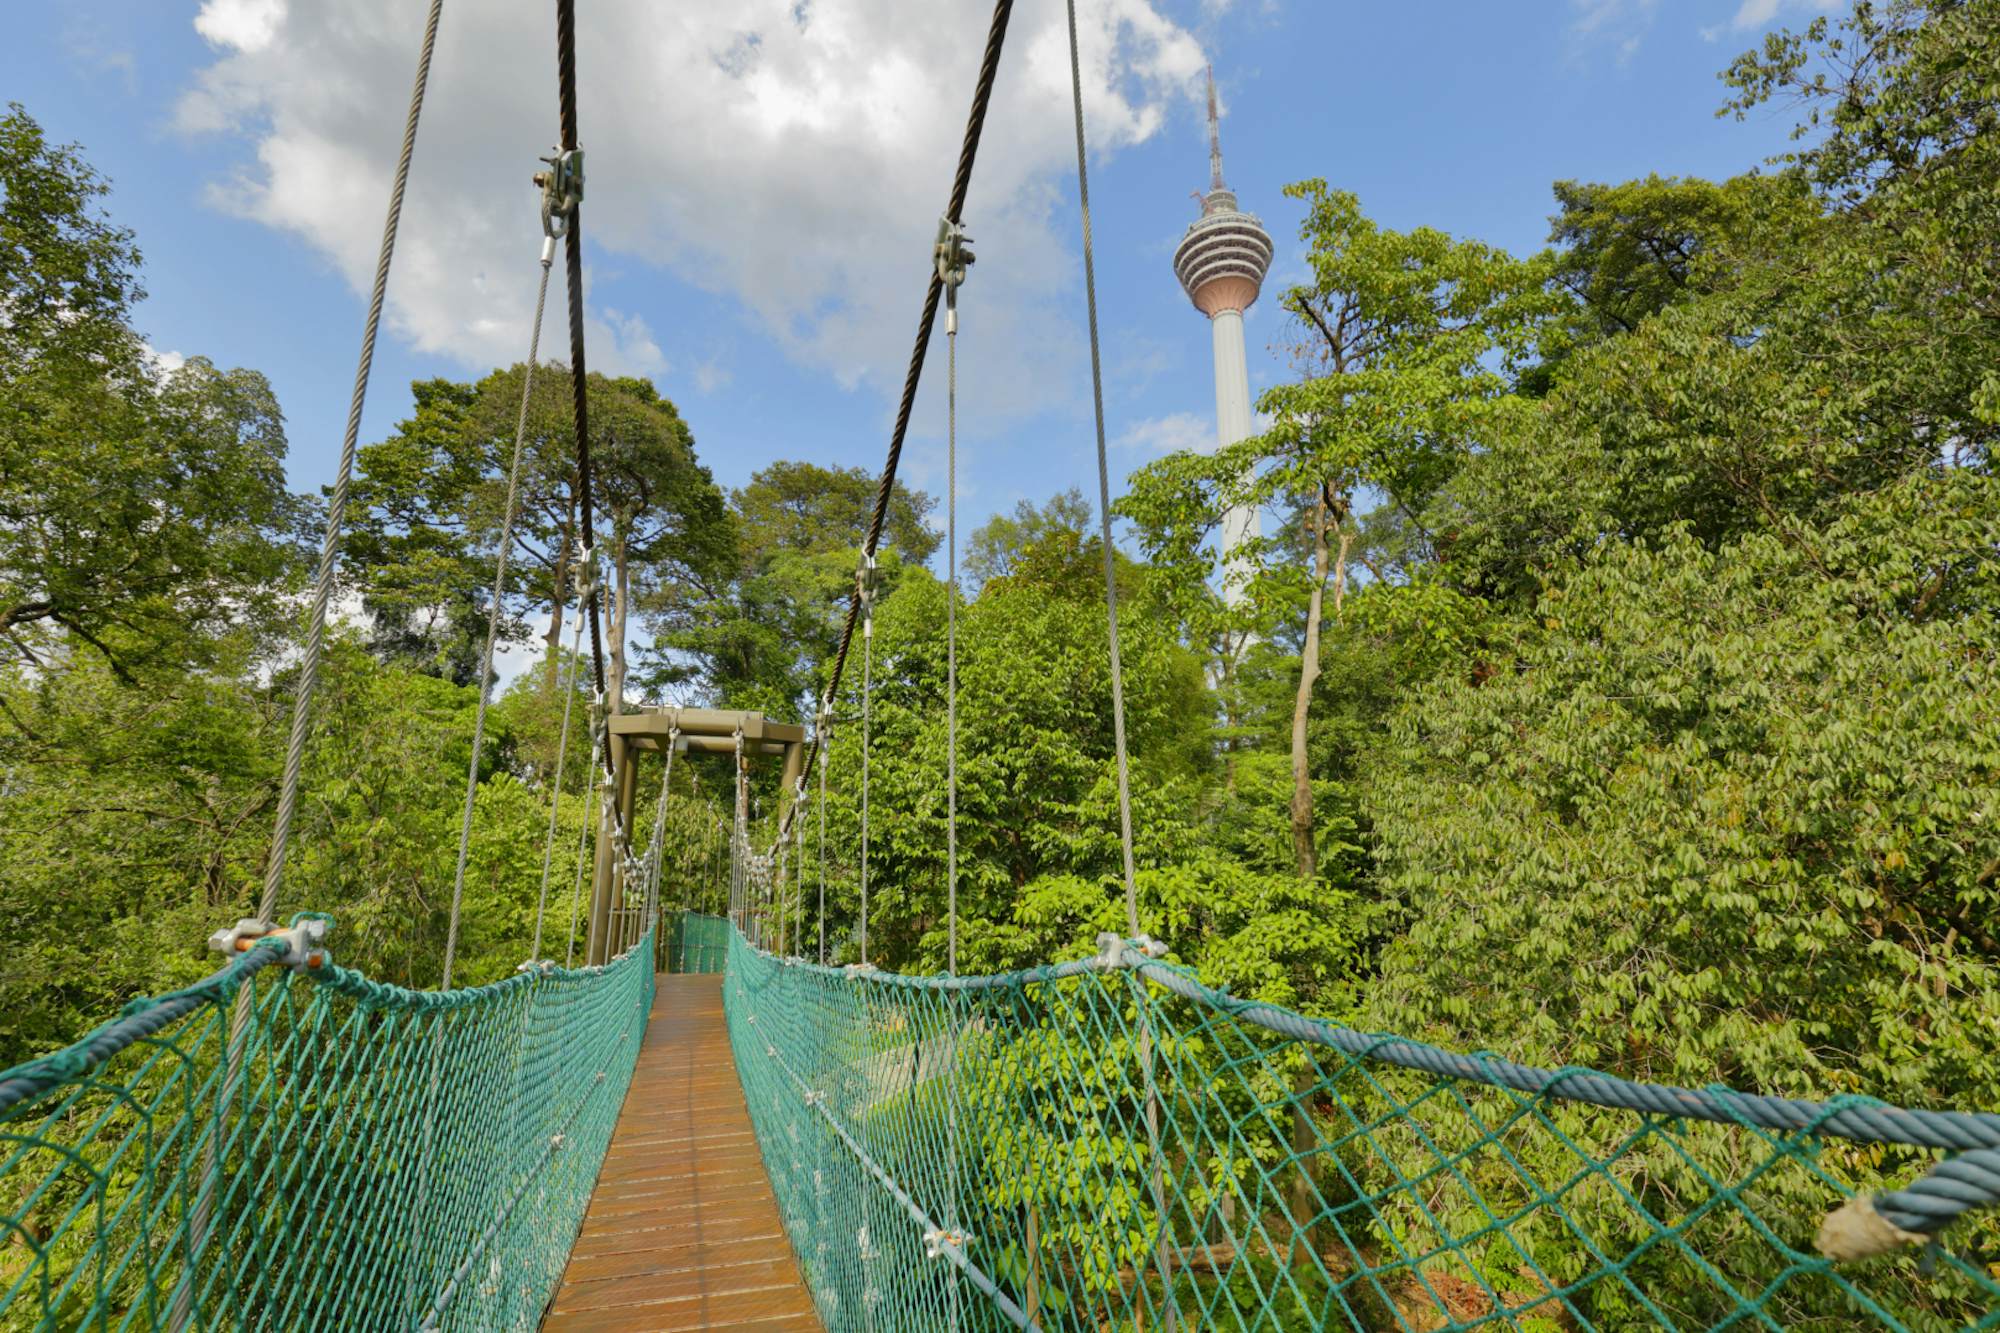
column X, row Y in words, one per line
column 430, row 500
column 1771, row 750
column 761, row 637
column 142, row 511
column 1042, row 543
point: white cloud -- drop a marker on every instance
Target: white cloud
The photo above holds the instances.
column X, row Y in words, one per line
column 1752, row 14
column 167, row 362
column 1618, row 24
column 790, row 154
column 1170, row 434
column 243, row 25
column 631, row 342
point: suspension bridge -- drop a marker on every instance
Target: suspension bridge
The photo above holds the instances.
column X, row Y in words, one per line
column 703, row 1123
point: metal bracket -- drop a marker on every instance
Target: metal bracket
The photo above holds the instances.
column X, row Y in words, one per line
column 304, row 940
column 1111, row 949
column 562, row 190
column 953, row 256
column 936, row 1241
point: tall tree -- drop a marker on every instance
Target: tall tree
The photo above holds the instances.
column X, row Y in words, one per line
column 1403, row 340
column 759, row 637
column 142, row 511
column 433, row 494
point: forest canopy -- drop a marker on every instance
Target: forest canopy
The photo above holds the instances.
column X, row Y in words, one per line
column 1618, row 687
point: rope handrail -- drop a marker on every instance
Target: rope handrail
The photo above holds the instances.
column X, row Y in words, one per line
column 1376, row 1181
column 1854, row 1117
column 324, row 1211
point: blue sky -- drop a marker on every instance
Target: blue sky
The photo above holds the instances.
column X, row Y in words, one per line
column 765, row 179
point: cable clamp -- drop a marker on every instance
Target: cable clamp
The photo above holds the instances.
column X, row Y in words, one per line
column 1110, row 951
column 859, row 969
column 562, row 190
column 1151, row 947
column 1856, row 1230
column 557, row 1142
column 936, row 1241
column 867, row 580
column 304, row 940
column 952, row 255
column 814, row 1097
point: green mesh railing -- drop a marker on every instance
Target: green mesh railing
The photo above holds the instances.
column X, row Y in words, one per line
column 380, row 1158
column 1109, row 1144
column 695, row 942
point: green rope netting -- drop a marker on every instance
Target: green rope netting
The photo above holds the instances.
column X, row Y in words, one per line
column 381, row 1158
column 695, row 942
column 1111, row 1145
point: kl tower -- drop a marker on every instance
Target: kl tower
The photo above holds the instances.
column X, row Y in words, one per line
column 1221, row 263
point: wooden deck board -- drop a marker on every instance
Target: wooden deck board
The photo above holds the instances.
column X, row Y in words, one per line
column 682, row 1231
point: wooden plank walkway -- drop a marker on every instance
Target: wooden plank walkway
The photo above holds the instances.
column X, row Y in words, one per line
column 682, row 1232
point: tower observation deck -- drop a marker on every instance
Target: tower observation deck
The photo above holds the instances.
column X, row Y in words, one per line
column 1221, row 263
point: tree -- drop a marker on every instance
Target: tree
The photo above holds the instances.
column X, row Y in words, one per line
column 761, row 637
column 141, row 511
column 1903, row 93
column 666, row 519
column 1059, row 529
column 1403, row 337
column 432, row 496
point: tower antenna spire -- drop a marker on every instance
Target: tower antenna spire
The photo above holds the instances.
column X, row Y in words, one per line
column 1214, row 137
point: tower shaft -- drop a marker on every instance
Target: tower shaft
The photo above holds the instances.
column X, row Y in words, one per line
column 1232, row 423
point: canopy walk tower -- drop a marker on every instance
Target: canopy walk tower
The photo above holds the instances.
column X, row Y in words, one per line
column 617, row 902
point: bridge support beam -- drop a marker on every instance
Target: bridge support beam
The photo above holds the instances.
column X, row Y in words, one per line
column 701, row 731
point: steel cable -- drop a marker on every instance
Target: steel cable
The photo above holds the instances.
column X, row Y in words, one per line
column 1117, row 668
column 493, row 630
column 968, row 153
column 329, row 560
column 573, row 276
column 555, row 796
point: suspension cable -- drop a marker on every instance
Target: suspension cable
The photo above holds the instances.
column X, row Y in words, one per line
column 582, row 847
column 1104, row 494
column 867, row 697
column 329, row 555
column 336, row 509
column 650, row 898
column 1146, row 1055
column 573, row 276
column 952, row 259
column 493, row 616
column 968, row 153
column 822, row 858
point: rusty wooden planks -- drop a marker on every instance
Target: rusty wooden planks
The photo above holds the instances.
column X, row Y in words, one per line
column 682, row 1231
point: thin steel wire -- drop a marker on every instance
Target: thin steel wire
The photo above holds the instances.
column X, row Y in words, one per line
column 493, row 629
column 1152, row 1106
column 323, row 582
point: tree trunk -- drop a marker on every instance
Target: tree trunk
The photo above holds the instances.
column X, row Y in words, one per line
column 614, row 682
column 559, row 585
column 1302, row 797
